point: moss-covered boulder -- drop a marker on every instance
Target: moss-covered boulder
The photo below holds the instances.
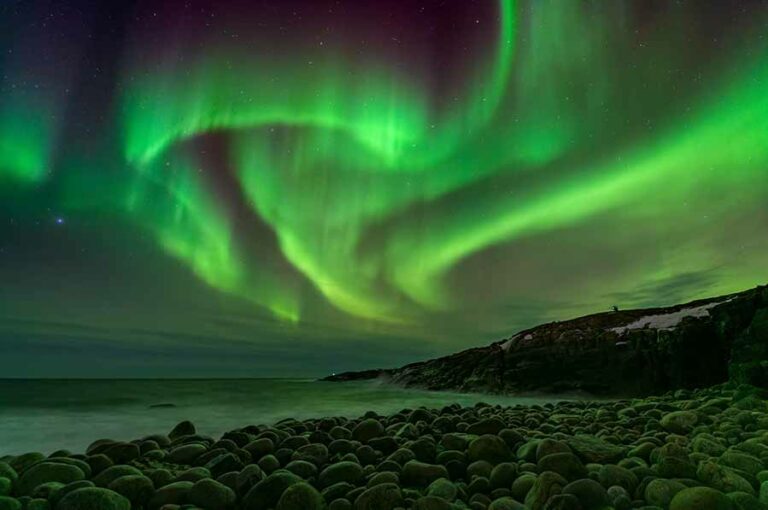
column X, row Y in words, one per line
column 9, row 503
column 700, row 498
column 266, row 493
column 93, row 498
column 209, row 493
column 385, row 496
column 47, row 472
column 138, row 489
column 301, row 496
column 345, row 471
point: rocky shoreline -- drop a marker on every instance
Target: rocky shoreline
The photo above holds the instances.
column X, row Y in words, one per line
column 685, row 450
column 618, row 354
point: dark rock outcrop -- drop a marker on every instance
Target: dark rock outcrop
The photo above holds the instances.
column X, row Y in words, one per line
column 632, row 352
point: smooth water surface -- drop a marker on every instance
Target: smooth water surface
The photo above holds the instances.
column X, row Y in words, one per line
column 46, row 415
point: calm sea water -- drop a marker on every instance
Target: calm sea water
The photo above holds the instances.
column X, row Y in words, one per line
column 46, row 415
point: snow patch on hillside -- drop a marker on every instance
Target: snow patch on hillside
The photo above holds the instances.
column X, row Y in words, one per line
column 667, row 321
column 506, row 345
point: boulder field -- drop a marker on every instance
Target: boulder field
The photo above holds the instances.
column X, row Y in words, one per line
column 684, row 450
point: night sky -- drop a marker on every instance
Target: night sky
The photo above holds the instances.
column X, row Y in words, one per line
column 288, row 188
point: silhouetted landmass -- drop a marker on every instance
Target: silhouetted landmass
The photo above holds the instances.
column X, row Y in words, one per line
column 619, row 353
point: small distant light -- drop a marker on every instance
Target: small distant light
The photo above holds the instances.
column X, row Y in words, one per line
column 59, row 221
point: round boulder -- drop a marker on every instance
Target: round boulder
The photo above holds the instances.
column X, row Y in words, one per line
column 489, row 448
column 385, row 496
column 700, row 498
column 47, row 472
column 367, row 429
column 300, row 496
column 345, row 471
column 209, row 493
column 136, row 488
column 93, row 498
column 419, row 474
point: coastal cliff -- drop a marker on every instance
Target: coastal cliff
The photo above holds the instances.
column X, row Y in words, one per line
column 621, row 353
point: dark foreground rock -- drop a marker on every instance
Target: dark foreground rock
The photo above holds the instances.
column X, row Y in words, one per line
column 687, row 450
column 622, row 353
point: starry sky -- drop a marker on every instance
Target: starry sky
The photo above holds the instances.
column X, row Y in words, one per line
column 291, row 187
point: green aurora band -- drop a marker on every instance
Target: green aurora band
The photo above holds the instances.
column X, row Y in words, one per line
column 378, row 191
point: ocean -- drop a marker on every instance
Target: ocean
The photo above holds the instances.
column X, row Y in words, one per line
column 47, row 415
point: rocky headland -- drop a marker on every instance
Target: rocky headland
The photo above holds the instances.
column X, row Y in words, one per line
column 622, row 353
column 685, row 450
column 701, row 443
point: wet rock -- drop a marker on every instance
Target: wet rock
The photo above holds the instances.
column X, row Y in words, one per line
column 174, row 493
column 679, row 422
column 565, row 464
column 350, row 472
column 742, row 462
column 160, row 477
column 549, row 446
column 492, row 425
column 45, row 490
column 193, row 475
column 337, row 490
column 260, row 447
column 121, row 453
column 38, row 504
column 302, row 469
column 367, row 429
column 722, row 478
column 269, row 463
column 660, row 491
column 384, row 477
column 709, row 445
column 98, row 463
column 610, row 475
column 72, row 486
column 522, row 485
column 503, row 475
column 700, row 498
column 315, row 453
column 386, row 496
column 24, row 461
column 300, row 496
column 247, row 478
column 186, row 454
column 112, row 473
column 209, row 493
column 224, row 464
column 591, row 449
column 419, row 474
column 184, row 428
column 744, row 501
column 547, row 485
column 47, row 472
column 135, row 488
column 591, row 495
column 6, row 471
column 506, row 503
column 266, row 493
column 9, row 503
column 340, row 504
column 93, row 498
column 489, row 448
column 480, row 468
column 431, row 503
column 443, row 488
column 563, row 502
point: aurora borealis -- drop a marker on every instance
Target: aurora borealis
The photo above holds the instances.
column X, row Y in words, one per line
column 208, row 188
